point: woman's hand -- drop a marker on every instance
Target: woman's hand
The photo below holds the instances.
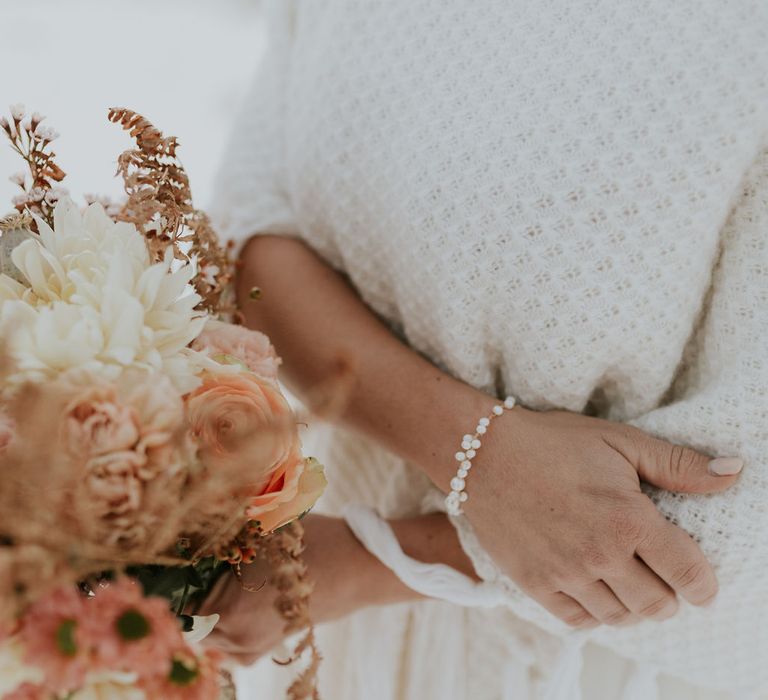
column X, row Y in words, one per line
column 346, row 578
column 555, row 498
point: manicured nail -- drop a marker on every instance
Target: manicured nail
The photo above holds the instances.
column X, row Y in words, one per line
column 726, row 466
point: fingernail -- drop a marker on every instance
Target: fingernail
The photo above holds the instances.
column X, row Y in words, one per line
column 726, row 466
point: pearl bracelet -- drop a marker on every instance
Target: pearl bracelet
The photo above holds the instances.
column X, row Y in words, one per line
column 469, row 446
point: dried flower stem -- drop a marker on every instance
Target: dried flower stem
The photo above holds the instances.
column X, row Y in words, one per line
column 288, row 574
column 32, row 142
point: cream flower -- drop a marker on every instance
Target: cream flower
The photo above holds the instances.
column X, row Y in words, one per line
column 109, row 685
column 13, row 670
column 92, row 300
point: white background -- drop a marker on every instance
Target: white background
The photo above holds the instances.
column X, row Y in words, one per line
column 183, row 64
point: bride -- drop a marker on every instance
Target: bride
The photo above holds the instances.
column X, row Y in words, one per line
column 449, row 203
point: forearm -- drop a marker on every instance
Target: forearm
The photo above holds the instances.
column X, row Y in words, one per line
column 323, row 330
column 348, row 577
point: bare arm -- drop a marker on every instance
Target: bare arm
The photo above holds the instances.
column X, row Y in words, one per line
column 319, row 326
column 346, row 578
column 555, row 496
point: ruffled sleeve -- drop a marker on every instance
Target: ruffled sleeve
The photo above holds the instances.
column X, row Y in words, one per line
column 250, row 194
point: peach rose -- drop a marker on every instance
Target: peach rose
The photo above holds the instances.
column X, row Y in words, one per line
column 242, row 424
column 230, row 341
column 293, row 490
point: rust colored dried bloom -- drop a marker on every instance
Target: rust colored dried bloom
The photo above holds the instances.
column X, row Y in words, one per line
column 283, row 550
column 160, row 205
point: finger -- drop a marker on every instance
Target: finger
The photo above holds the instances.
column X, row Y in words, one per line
column 601, row 602
column 679, row 468
column 643, row 592
column 678, row 560
column 567, row 609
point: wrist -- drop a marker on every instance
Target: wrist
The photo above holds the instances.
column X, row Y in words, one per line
column 442, row 430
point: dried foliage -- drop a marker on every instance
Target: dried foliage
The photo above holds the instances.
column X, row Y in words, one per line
column 32, row 141
column 15, row 222
column 160, row 205
column 288, row 574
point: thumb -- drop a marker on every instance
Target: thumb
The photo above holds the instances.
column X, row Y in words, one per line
column 679, row 468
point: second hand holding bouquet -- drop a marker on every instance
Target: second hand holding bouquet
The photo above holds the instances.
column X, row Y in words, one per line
column 145, row 445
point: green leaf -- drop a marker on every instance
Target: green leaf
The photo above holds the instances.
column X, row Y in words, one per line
column 132, row 625
column 182, row 674
column 65, row 637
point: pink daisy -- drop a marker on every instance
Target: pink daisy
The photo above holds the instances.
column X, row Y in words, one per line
column 28, row 691
column 136, row 633
column 56, row 640
column 192, row 677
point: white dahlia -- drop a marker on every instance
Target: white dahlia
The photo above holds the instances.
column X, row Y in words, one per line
column 89, row 298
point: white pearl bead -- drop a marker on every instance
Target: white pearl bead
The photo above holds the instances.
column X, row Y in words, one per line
column 467, row 438
column 460, row 456
column 466, row 444
column 485, row 421
column 498, row 410
column 481, row 430
column 471, row 454
column 509, row 402
column 463, row 497
column 475, row 445
column 466, row 464
column 457, row 484
column 462, row 473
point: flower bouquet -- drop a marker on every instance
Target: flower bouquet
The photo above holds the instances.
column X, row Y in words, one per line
column 145, row 445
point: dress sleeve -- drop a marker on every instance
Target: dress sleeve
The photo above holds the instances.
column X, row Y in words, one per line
column 250, row 195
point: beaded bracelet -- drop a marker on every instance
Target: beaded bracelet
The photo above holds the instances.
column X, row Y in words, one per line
column 469, row 446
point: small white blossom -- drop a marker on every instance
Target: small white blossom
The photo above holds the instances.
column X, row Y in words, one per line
column 36, row 194
column 37, row 118
column 46, row 133
column 208, row 273
column 18, row 112
column 55, row 194
column 20, row 199
column 18, row 179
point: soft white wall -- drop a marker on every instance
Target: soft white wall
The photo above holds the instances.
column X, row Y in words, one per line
column 182, row 63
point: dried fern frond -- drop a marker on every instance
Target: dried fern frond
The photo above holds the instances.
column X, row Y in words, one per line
column 160, row 205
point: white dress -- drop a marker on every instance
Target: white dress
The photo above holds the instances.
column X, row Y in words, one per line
column 565, row 200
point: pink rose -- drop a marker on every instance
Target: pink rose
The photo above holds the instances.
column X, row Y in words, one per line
column 124, row 441
column 293, row 489
column 96, row 423
column 230, row 341
column 242, row 424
